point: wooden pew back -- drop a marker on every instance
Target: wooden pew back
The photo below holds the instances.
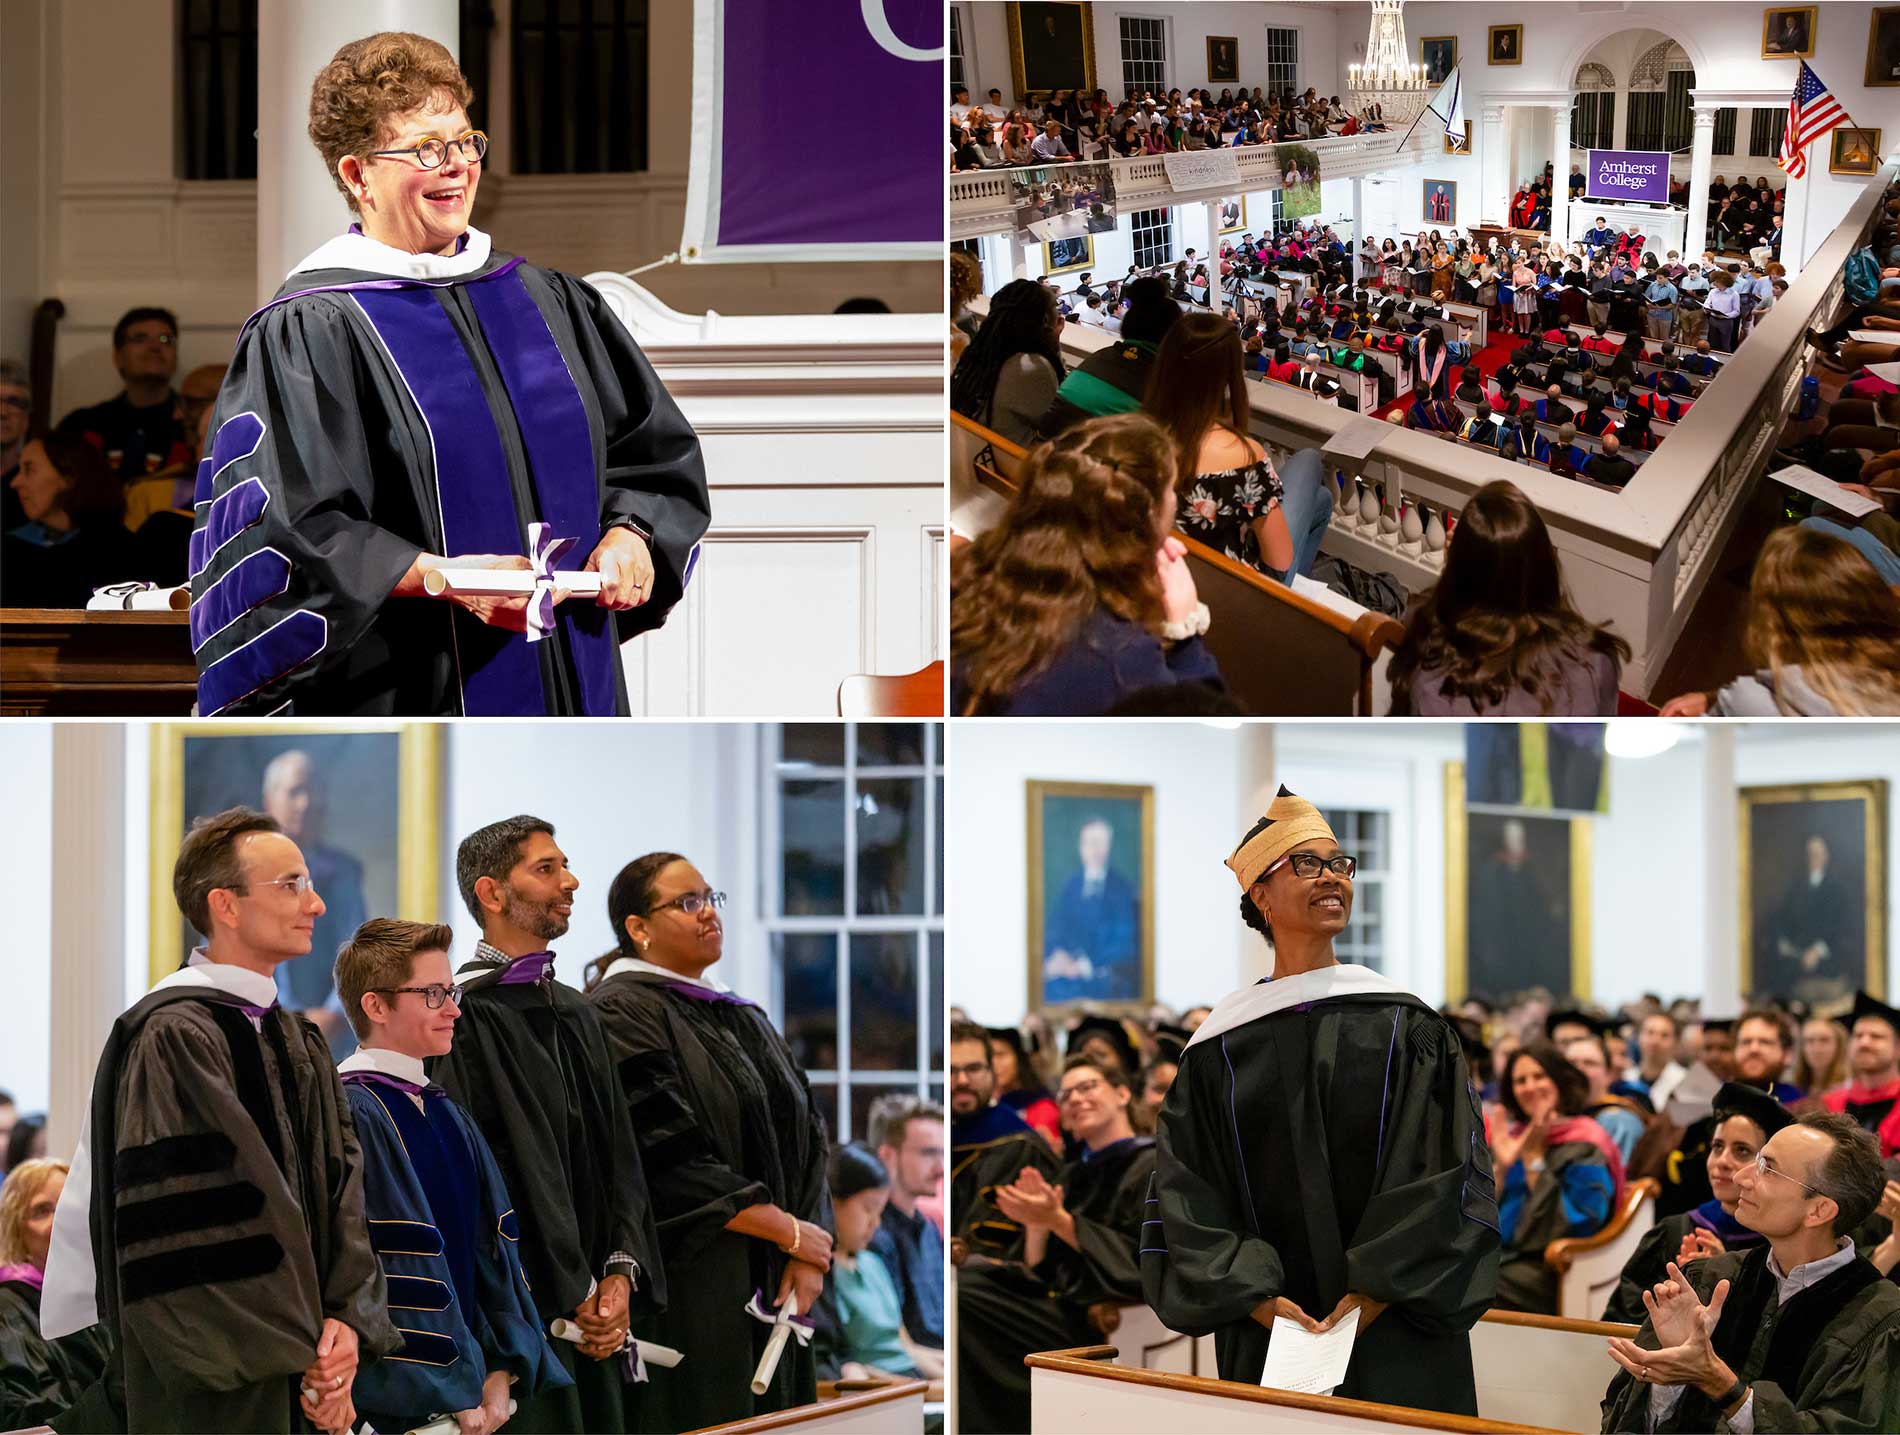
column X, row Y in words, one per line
column 1542, row 1368
column 1589, row 1267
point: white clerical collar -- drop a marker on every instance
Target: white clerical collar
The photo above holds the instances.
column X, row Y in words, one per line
column 1264, row 998
column 359, row 251
column 634, row 964
column 241, row 982
column 390, row 1063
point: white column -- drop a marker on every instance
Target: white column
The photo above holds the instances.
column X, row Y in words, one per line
column 298, row 204
column 1701, row 171
column 1560, row 173
column 1018, row 256
column 88, row 927
column 1210, row 212
column 1358, row 220
column 1255, row 785
column 1721, row 846
column 1494, row 204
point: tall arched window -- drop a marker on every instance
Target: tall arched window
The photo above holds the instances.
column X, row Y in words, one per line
column 1659, row 99
column 1593, row 107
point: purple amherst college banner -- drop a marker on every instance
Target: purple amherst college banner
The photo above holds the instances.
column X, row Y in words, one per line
column 1627, row 174
column 817, row 131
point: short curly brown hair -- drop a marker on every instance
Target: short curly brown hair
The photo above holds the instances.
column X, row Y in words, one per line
column 370, row 81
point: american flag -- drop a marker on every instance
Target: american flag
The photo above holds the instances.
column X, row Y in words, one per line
column 1812, row 112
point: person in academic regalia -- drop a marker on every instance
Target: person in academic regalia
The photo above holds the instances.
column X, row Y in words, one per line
column 1363, row 1181
column 1081, row 1239
column 214, row 1218
column 439, row 1216
column 1760, row 1054
column 532, row 1065
column 1020, row 1087
column 1744, row 1120
column 1872, row 1096
column 732, row 1140
column 1801, row 1333
column 413, row 399
column 990, row 1147
column 39, row 1378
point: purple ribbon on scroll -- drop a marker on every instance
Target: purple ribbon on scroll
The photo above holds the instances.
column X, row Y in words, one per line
column 802, row 1327
column 545, row 550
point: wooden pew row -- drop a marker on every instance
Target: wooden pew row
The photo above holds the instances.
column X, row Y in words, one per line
column 1650, row 346
column 1084, row 1389
column 1280, row 652
column 1593, row 442
column 1589, row 1267
column 1601, row 362
column 896, row 1409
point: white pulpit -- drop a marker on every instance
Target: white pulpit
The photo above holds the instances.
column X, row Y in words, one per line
column 1662, row 226
column 823, row 439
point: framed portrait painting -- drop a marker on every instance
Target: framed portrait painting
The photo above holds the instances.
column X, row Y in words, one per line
column 1091, row 894
column 1504, row 45
column 1233, row 213
column 1454, row 145
column 1788, row 33
column 362, row 802
column 1853, row 151
column 1440, row 204
column 1064, row 256
column 1223, row 59
column 1814, row 890
column 1517, row 899
column 1051, row 46
column 1439, row 55
column 1883, row 47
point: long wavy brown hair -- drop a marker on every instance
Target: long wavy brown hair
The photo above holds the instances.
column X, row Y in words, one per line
column 1817, row 602
column 1081, row 533
column 1498, row 620
column 1198, row 380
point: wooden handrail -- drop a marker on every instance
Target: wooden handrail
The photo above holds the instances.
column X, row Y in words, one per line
column 1561, row 1254
column 1093, row 1360
column 1559, row 1323
column 824, row 1409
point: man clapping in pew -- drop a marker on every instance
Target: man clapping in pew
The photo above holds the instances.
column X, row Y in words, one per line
column 1799, row 1334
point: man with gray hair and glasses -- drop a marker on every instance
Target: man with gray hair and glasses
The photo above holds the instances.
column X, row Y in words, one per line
column 1800, row 1333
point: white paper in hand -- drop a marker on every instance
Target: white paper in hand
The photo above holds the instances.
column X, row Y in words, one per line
column 1806, row 480
column 1310, row 1364
column 1889, row 372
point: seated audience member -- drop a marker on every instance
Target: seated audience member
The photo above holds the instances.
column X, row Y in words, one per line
column 1080, row 1249
column 1496, row 635
column 39, row 1378
column 861, row 1333
column 1479, row 429
column 1757, row 1056
column 1822, row 634
column 1113, row 378
column 1563, row 451
column 1871, row 1095
column 16, row 413
column 73, row 540
column 1744, row 1120
column 1019, row 1085
column 1013, row 369
column 1799, row 1332
column 1616, row 1115
column 1609, row 466
column 138, row 430
column 1820, row 1063
column 1431, row 415
column 966, row 283
column 1048, row 145
column 1518, row 440
column 990, row 1144
column 1557, row 1172
column 1079, row 595
column 907, row 1134
column 1551, row 409
column 1232, row 497
column 1470, row 385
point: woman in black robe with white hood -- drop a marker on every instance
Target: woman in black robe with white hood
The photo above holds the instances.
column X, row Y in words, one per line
column 413, row 399
column 733, row 1144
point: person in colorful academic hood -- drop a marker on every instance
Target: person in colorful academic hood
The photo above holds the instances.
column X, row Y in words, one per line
column 1872, row 1095
column 411, row 400
column 1364, row 1180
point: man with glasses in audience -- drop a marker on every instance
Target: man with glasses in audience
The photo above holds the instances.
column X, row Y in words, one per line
column 139, row 430
column 990, row 1146
column 1800, row 1333
column 246, row 1302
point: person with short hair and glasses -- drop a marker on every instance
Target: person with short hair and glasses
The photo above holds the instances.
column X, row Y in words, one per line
column 138, row 429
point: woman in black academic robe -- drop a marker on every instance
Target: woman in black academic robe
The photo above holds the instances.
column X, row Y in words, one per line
column 733, row 1144
column 39, row 1378
column 1082, row 1247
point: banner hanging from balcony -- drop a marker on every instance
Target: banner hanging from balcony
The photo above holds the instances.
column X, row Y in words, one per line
column 1202, row 169
column 776, row 173
column 1063, row 201
column 1299, row 180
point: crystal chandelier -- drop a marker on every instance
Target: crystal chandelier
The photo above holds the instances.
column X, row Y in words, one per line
column 1388, row 79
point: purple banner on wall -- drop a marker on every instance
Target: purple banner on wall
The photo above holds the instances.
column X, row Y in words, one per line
column 786, row 161
column 1640, row 175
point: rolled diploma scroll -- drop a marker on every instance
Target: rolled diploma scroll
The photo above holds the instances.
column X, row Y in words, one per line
column 502, row 582
column 775, row 1347
column 140, row 598
column 445, row 1425
column 663, row 1356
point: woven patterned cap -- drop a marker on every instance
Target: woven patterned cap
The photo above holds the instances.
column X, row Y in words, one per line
column 1289, row 821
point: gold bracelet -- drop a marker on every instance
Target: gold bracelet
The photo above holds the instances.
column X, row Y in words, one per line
column 798, row 1234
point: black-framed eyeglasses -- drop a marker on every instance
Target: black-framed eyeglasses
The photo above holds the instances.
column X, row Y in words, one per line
column 693, row 903
column 433, row 994
column 1306, row 865
column 431, row 152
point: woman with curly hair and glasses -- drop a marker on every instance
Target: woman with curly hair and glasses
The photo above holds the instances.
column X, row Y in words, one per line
column 413, row 400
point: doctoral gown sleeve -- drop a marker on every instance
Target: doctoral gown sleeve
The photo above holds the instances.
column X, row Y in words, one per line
column 291, row 557
column 1104, row 1264
column 1857, row 1386
column 40, row 1378
column 352, row 1280
column 1428, row 1241
column 655, row 473
column 1204, row 1263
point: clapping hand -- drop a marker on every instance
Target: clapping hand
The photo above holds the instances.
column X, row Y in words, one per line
column 1684, row 1327
column 1030, row 1200
column 1528, row 1143
column 1890, row 1202
column 1699, row 1244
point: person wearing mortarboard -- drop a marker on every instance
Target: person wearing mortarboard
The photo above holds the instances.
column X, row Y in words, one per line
column 1872, row 1094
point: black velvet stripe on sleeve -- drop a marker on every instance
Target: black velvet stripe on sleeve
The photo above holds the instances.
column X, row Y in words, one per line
column 196, row 1266
column 188, row 1211
column 417, row 1293
column 425, row 1347
column 196, row 1154
column 404, row 1238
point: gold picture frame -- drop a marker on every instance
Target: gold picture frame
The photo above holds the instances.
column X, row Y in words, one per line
column 1516, row 47
column 1223, row 65
column 1059, row 813
column 417, row 804
column 1856, row 834
column 1863, row 160
column 1452, row 146
column 1045, row 52
column 1239, row 204
column 1581, row 837
column 1051, row 267
column 1425, row 42
column 1883, row 48
column 1799, row 47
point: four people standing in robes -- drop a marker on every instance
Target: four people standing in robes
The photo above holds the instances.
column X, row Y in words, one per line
column 1363, row 1181
column 732, row 1142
